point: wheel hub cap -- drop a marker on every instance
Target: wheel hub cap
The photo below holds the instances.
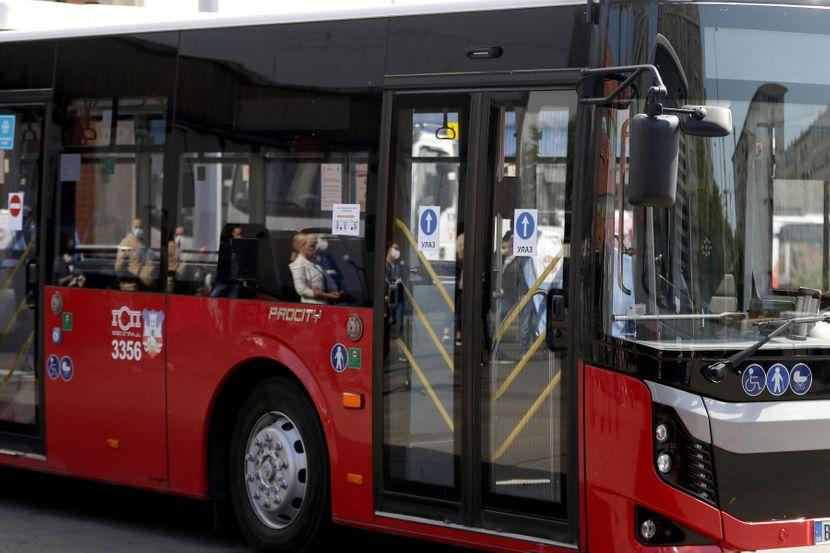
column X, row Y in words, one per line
column 276, row 470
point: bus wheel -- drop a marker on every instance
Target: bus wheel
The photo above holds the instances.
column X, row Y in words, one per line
column 278, row 468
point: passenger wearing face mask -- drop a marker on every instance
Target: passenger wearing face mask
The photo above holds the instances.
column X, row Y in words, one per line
column 134, row 264
column 326, row 262
column 175, row 263
column 394, row 275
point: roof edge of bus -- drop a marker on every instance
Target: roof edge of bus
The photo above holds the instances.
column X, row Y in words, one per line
column 362, row 9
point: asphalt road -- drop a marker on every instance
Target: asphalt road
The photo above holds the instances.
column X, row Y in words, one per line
column 49, row 513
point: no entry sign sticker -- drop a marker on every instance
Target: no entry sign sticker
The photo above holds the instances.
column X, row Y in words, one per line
column 16, row 211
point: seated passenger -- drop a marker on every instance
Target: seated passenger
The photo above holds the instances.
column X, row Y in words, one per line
column 311, row 282
column 134, row 264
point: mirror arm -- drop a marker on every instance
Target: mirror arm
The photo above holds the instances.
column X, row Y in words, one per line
column 656, row 92
column 698, row 112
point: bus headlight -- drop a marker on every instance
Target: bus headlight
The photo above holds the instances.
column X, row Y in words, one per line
column 664, row 463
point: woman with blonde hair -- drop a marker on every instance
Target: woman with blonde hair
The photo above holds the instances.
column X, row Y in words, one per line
column 311, row 282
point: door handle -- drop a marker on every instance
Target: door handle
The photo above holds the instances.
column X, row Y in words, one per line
column 31, row 282
column 555, row 313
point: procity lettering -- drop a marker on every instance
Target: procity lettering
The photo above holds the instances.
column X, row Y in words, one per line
column 295, row 314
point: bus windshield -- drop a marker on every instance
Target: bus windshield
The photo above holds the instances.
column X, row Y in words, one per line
column 747, row 238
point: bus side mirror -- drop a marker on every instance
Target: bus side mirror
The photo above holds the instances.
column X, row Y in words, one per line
column 655, row 142
column 652, row 173
column 716, row 121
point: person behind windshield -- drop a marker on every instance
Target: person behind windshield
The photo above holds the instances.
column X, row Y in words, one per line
column 133, row 263
column 517, row 277
column 311, row 282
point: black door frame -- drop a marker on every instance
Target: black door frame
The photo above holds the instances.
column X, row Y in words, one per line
column 468, row 513
column 34, row 444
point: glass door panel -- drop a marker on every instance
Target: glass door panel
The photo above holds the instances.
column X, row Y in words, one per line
column 21, row 140
column 524, row 429
column 424, row 253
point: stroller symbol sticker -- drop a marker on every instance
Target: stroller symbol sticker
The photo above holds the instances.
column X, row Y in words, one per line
column 801, row 379
column 753, row 380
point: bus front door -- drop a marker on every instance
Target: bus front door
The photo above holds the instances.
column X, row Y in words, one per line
column 22, row 123
column 477, row 415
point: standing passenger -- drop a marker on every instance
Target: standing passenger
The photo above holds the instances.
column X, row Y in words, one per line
column 133, row 262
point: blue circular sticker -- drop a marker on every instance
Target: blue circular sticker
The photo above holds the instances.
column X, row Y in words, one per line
column 429, row 221
column 67, row 369
column 753, row 380
column 801, row 379
column 56, row 335
column 339, row 358
column 778, row 379
column 525, row 226
column 53, row 367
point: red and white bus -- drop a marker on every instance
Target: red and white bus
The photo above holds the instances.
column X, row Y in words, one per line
column 464, row 271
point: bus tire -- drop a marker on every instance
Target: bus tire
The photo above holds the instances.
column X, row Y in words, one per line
column 278, row 469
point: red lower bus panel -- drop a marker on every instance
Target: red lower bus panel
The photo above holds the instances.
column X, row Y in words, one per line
column 620, row 470
column 105, row 415
column 208, row 338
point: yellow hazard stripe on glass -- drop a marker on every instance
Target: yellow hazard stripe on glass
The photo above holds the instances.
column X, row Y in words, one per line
column 534, row 347
column 422, row 377
column 21, row 261
column 427, row 265
column 435, row 339
column 526, row 418
column 528, row 296
column 19, row 357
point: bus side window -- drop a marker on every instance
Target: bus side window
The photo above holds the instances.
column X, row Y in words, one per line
column 263, row 165
column 114, row 130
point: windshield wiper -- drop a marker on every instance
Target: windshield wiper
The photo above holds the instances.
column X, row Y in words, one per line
column 716, row 371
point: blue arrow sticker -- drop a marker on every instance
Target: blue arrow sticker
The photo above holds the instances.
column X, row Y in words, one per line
column 525, row 226
column 753, row 380
column 801, row 379
column 778, row 379
column 339, row 358
column 429, row 222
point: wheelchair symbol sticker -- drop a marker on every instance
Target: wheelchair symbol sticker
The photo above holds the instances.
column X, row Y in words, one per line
column 801, row 379
column 778, row 379
column 753, row 380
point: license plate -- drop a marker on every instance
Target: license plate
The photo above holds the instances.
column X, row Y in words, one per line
column 821, row 531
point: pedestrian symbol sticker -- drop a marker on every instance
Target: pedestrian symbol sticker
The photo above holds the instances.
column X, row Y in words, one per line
column 7, row 132
column 339, row 358
column 801, row 379
column 753, row 380
column 67, row 369
column 53, row 368
column 525, row 236
column 778, row 379
column 428, row 225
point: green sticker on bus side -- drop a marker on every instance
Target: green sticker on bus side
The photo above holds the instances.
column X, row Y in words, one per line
column 66, row 320
column 354, row 358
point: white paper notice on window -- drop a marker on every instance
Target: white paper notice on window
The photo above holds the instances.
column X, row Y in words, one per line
column 6, row 233
column 361, row 179
column 70, row 167
column 331, row 185
column 345, row 219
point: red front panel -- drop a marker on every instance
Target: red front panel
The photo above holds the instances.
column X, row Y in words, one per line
column 209, row 338
column 619, row 468
column 105, row 403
